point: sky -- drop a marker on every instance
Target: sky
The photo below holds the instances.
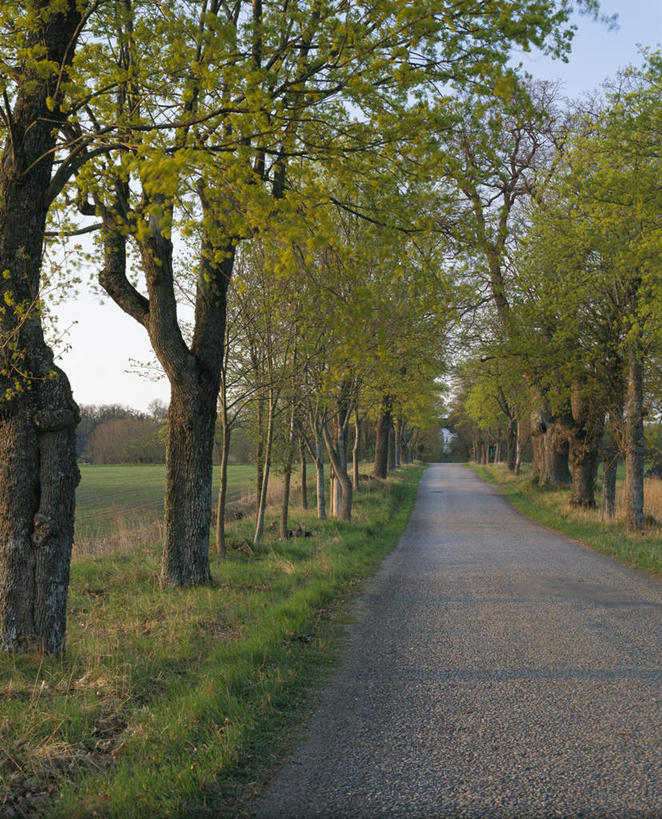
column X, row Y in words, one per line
column 102, row 339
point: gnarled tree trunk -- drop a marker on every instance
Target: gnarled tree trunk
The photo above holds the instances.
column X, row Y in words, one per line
column 38, row 416
column 549, row 439
column 584, row 435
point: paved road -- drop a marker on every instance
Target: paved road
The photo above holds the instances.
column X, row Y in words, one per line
column 495, row 669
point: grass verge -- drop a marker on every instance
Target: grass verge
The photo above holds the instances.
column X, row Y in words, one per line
column 551, row 507
column 178, row 703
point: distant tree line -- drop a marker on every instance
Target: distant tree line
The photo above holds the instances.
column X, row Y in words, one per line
column 116, row 434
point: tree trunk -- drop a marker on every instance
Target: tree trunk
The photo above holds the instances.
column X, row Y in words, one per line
column 319, row 469
column 381, row 442
column 264, row 484
column 38, row 416
column 289, row 458
column 584, row 470
column 221, row 547
column 355, row 449
column 344, row 512
column 557, row 448
column 259, row 454
column 194, row 373
column 190, row 440
column 404, row 444
column 304, row 475
column 518, row 449
column 584, row 435
column 609, row 466
column 397, row 427
column 513, row 430
column 391, row 446
column 634, row 441
column 333, row 494
column 551, row 450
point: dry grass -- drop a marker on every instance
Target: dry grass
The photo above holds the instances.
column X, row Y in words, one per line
column 131, row 529
column 653, row 498
column 126, row 532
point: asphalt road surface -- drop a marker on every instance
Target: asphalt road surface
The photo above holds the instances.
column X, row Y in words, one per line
column 495, row 669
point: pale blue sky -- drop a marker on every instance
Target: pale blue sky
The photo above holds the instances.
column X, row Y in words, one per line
column 599, row 52
column 104, row 338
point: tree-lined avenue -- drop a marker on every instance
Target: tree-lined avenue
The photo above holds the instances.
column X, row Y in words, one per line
column 495, row 668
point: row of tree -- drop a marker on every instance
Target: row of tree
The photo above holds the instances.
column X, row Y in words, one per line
column 192, row 136
column 565, row 232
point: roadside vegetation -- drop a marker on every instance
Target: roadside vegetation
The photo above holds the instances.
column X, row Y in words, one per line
column 171, row 705
column 551, row 507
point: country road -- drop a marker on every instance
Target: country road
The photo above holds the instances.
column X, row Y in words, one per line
column 495, row 669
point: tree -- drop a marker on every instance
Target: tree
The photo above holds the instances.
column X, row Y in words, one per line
column 598, row 231
column 496, row 158
column 38, row 472
column 252, row 93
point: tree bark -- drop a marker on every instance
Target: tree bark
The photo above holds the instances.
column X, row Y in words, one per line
column 609, row 467
column 38, row 416
column 584, row 438
column 221, row 547
column 344, row 512
column 391, row 446
column 194, row 374
column 333, row 495
column 551, row 450
column 264, row 485
column 584, row 471
column 317, row 454
column 355, row 449
column 259, row 454
column 287, row 480
column 190, row 440
column 397, row 428
column 381, row 442
column 610, row 455
column 319, row 469
column 634, row 440
column 512, row 443
column 304, row 475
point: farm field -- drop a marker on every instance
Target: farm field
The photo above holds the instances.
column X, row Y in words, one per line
column 126, row 501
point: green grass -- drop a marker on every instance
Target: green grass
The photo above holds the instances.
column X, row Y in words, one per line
column 551, row 508
column 111, row 497
column 179, row 703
